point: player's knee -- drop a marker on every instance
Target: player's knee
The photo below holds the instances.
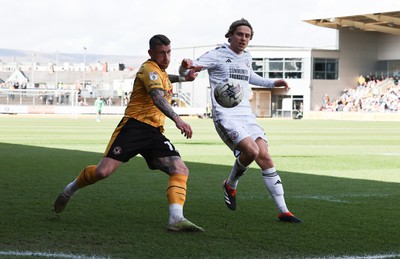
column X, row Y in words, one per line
column 179, row 167
column 252, row 152
column 102, row 173
column 265, row 159
column 182, row 169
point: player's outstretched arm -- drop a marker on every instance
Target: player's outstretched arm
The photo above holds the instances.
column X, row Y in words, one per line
column 162, row 104
column 187, row 67
column 190, row 76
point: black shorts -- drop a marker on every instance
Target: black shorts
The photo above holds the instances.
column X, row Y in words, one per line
column 133, row 137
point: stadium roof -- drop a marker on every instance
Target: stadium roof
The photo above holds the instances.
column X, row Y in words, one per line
column 387, row 22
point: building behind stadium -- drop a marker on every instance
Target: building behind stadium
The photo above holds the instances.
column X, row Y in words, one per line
column 367, row 44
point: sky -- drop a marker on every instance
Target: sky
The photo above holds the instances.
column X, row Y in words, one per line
column 123, row 27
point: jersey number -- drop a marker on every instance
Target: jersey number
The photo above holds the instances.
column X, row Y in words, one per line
column 171, row 147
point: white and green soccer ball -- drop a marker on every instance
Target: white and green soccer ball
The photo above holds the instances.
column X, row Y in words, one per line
column 228, row 93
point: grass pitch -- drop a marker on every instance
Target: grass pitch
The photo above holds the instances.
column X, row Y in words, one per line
column 341, row 177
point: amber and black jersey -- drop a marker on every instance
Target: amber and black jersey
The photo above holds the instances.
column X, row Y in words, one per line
column 141, row 106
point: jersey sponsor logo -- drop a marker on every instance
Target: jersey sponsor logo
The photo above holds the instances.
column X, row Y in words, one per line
column 239, row 77
column 239, row 73
column 154, row 84
column 117, row 150
column 242, row 71
column 153, row 75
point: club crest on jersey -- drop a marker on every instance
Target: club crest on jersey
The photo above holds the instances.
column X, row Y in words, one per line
column 153, row 76
column 117, row 150
column 234, row 135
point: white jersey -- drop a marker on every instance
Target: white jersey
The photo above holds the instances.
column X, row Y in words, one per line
column 223, row 63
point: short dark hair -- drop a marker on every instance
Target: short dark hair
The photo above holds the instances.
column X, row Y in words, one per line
column 237, row 23
column 158, row 39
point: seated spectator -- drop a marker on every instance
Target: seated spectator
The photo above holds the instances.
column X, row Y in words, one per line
column 375, row 95
column 361, row 80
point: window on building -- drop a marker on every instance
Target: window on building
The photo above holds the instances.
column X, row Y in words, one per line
column 258, row 66
column 326, row 68
column 293, row 68
column 278, row 67
column 388, row 68
column 274, row 67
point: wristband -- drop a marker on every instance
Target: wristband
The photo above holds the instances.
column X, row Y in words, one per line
column 182, row 79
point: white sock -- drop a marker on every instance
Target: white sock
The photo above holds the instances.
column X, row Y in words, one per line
column 71, row 188
column 237, row 171
column 175, row 213
column 274, row 186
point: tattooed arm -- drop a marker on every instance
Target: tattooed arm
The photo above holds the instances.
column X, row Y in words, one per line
column 162, row 104
column 176, row 78
column 191, row 75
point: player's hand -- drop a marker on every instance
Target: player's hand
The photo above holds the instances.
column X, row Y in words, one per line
column 282, row 82
column 188, row 64
column 196, row 68
column 191, row 75
column 185, row 128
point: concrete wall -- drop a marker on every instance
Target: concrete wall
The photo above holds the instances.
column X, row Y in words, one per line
column 358, row 54
column 318, row 88
column 388, row 47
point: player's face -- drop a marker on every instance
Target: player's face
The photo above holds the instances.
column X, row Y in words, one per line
column 240, row 39
column 161, row 55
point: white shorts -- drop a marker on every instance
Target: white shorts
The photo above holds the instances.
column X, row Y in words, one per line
column 234, row 130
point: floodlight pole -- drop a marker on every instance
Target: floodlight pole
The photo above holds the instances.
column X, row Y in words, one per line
column 33, row 69
column 84, row 67
column 55, row 68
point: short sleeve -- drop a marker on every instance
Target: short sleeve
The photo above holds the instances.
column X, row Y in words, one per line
column 151, row 78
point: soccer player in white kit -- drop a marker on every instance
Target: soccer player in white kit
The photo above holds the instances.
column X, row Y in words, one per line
column 237, row 126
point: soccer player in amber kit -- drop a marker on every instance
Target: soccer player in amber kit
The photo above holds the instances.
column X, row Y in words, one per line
column 141, row 132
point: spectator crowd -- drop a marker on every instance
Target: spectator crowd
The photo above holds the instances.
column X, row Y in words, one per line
column 370, row 95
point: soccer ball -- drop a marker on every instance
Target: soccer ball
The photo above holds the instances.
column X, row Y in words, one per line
column 228, row 93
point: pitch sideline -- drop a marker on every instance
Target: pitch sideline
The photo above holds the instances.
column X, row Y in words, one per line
column 49, row 255
column 71, row 256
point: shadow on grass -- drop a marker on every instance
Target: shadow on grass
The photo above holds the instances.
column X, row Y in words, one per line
column 125, row 215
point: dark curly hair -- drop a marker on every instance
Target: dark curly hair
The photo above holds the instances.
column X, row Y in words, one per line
column 237, row 23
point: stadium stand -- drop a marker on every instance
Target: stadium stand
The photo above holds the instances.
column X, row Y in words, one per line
column 371, row 95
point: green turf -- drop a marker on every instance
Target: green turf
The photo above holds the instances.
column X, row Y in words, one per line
column 341, row 177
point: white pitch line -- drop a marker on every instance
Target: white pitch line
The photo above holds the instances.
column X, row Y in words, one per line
column 326, row 198
column 367, row 257
column 390, row 154
column 42, row 254
column 70, row 256
column 339, row 198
